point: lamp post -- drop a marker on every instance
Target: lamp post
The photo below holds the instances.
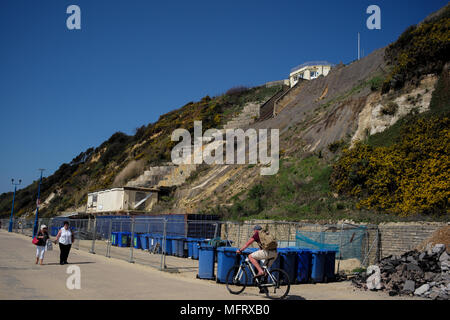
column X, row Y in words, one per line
column 38, row 202
column 10, row 227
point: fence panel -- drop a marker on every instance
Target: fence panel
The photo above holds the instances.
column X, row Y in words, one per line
column 152, row 241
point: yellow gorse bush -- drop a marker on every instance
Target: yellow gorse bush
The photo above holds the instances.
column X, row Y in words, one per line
column 409, row 177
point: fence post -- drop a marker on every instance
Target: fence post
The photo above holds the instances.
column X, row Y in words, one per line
column 215, row 229
column 340, row 245
column 108, row 243
column 375, row 241
column 289, row 235
column 94, row 235
column 239, row 235
column 162, row 265
column 132, row 241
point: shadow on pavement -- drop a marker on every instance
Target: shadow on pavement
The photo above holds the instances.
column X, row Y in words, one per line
column 294, row 297
column 57, row 263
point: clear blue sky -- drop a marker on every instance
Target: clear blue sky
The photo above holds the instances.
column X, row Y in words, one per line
column 63, row 91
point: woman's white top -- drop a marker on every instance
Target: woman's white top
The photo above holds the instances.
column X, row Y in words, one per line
column 66, row 236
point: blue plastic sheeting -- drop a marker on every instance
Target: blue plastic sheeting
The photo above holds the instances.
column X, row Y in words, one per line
column 348, row 243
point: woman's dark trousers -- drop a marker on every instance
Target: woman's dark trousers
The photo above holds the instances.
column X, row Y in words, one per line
column 64, row 252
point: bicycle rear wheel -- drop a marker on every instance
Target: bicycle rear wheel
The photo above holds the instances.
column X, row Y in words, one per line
column 278, row 284
column 236, row 279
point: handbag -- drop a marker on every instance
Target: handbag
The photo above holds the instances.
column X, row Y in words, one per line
column 35, row 240
column 49, row 245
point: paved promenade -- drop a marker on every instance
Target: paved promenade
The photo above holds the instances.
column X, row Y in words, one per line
column 111, row 278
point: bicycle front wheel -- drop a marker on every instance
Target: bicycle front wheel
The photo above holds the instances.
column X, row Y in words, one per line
column 278, row 284
column 236, row 279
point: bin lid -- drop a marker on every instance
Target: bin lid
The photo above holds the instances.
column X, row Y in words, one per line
column 175, row 237
column 206, row 246
column 194, row 239
column 318, row 251
column 228, row 249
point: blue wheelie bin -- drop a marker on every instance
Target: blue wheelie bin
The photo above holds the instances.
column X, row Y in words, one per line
column 177, row 246
column 226, row 258
column 304, row 257
column 114, row 238
column 190, row 244
column 195, row 246
column 288, row 262
column 144, row 241
column 124, row 239
column 206, row 262
column 137, row 241
column 330, row 262
column 168, row 244
column 318, row 265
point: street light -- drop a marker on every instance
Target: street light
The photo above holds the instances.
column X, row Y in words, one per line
column 38, row 202
column 12, row 209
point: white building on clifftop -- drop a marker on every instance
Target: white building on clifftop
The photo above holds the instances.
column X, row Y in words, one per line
column 309, row 71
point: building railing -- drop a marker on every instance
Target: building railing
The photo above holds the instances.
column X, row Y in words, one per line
column 312, row 63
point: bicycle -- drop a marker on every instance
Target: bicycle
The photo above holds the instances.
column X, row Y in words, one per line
column 275, row 283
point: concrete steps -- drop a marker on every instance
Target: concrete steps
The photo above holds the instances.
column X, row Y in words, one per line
column 175, row 175
column 249, row 114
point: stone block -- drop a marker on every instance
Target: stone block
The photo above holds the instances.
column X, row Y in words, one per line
column 422, row 289
column 409, row 286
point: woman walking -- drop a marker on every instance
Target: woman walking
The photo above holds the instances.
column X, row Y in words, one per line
column 42, row 237
column 65, row 237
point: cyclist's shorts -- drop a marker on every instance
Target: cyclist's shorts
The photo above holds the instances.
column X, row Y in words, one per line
column 265, row 255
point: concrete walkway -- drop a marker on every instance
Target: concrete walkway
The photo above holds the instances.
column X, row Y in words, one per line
column 101, row 277
column 115, row 278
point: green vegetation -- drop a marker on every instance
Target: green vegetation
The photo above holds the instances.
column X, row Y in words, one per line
column 405, row 169
column 97, row 168
column 420, row 50
column 300, row 190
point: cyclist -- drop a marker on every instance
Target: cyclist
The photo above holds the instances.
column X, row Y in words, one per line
column 267, row 245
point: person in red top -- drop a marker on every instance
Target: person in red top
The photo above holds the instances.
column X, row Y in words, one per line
column 260, row 254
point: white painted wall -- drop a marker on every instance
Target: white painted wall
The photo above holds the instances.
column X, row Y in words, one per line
column 118, row 199
column 306, row 73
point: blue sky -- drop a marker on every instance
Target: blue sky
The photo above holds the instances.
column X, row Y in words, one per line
column 63, row 91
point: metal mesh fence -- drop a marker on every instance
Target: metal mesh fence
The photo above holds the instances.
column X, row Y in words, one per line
column 153, row 241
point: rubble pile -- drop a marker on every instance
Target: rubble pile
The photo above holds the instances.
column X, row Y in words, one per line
column 422, row 273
